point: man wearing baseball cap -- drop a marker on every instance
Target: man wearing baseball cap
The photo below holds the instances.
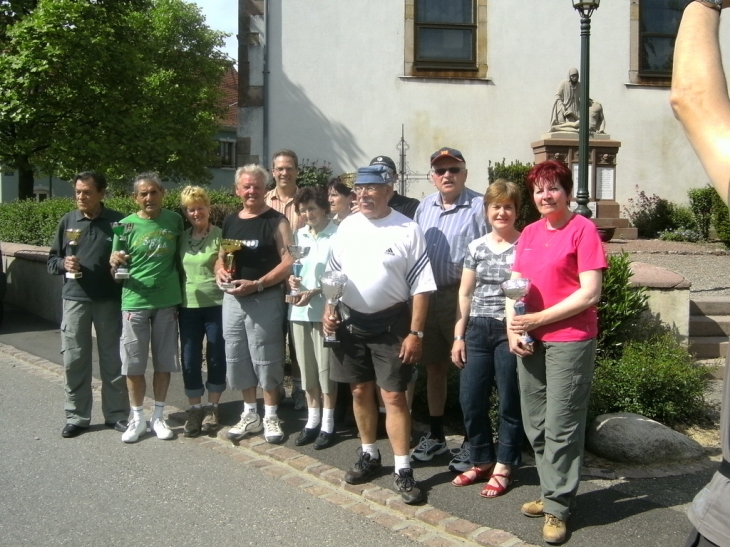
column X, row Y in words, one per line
column 404, row 205
column 383, row 254
column 450, row 219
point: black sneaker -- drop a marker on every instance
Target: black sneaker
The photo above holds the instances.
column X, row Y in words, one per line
column 365, row 468
column 408, row 487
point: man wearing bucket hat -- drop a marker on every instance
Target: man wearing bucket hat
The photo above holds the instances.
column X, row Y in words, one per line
column 383, row 254
column 450, row 219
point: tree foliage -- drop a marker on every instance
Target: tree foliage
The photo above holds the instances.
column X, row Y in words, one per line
column 114, row 85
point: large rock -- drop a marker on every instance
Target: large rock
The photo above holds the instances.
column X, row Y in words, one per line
column 632, row 438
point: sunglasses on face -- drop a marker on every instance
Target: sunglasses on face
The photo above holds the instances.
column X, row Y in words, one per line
column 441, row 171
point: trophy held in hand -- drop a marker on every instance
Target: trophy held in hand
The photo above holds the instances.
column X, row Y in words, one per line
column 333, row 285
column 297, row 253
column 73, row 236
column 517, row 289
column 122, row 230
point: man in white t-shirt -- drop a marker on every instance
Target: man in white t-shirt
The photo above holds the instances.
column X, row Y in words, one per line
column 383, row 254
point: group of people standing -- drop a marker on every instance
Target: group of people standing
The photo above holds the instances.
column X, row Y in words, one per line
column 423, row 286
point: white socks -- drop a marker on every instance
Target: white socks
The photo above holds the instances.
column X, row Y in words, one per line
column 158, row 411
column 249, row 408
column 372, row 450
column 314, row 417
column 270, row 411
column 328, row 420
column 402, row 462
column 138, row 413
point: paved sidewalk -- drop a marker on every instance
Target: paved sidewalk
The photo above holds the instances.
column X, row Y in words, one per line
column 631, row 507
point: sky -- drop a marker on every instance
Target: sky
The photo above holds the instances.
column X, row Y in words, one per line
column 222, row 15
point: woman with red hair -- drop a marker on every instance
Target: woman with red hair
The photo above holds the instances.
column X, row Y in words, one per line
column 561, row 254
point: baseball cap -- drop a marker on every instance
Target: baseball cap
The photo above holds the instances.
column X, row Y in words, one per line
column 374, row 174
column 384, row 160
column 447, row 152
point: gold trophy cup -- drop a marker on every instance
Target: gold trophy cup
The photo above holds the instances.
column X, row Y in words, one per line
column 230, row 246
column 73, row 236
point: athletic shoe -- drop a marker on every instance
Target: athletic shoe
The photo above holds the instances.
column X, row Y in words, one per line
column 135, row 430
column 161, row 429
column 194, row 422
column 249, row 424
column 461, row 461
column 365, row 467
column 554, row 529
column 299, row 398
column 407, row 486
column 210, row 419
column 428, row 448
column 272, row 430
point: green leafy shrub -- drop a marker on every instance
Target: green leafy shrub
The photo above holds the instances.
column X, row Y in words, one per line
column 620, row 308
column 701, row 201
column 313, row 174
column 34, row 223
column 654, row 377
column 516, row 172
column 683, row 218
column 649, row 214
column 720, row 219
column 681, row 234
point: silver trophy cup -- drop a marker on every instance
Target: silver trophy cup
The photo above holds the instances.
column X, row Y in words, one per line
column 298, row 253
column 517, row 289
column 122, row 230
column 333, row 285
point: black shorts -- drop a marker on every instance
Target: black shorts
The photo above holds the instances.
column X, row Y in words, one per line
column 375, row 358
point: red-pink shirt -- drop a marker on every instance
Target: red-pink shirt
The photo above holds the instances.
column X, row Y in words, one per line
column 552, row 260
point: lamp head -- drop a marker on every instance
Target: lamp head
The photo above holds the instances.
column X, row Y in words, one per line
column 586, row 7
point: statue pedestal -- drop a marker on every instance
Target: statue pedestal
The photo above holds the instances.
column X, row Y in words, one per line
column 603, row 152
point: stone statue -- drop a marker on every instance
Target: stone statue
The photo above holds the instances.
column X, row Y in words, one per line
column 565, row 117
column 566, row 108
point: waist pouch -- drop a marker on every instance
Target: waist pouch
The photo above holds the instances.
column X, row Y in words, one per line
column 725, row 469
column 369, row 325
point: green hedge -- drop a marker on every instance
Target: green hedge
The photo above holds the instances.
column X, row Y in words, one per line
column 34, row 223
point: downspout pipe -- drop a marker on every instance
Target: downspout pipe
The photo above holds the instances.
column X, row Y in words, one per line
column 265, row 129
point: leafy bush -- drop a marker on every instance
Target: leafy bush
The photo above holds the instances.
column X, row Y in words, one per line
column 34, row 223
column 681, row 234
column 620, row 308
column 654, row 377
column 649, row 214
column 516, row 172
column 701, row 202
column 313, row 174
column 683, row 218
column 720, row 219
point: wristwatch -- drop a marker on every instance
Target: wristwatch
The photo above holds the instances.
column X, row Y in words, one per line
column 458, row 338
column 260, row 286
column 417, row 333
column 714, row 4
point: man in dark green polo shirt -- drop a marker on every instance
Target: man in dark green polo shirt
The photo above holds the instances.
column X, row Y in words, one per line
column 94, row 298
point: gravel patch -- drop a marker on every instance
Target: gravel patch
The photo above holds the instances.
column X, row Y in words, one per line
column 706, row 265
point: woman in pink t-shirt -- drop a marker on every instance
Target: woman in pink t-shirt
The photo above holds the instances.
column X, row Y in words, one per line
column 563, row 257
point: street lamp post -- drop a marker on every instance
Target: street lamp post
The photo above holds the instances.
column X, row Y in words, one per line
column 586, row 9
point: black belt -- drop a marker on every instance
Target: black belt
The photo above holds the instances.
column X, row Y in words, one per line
column 725, row 469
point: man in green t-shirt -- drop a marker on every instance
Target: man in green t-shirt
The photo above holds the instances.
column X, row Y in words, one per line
column 150, row 297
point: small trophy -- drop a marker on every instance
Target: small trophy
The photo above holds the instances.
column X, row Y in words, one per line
column 73, row 236
column 230, row 246
column 121, row 230
column 333, row 285
column 517, row 289
column 297, row 252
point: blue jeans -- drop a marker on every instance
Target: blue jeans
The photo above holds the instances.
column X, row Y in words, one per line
column 195, row 323
column 488, row 359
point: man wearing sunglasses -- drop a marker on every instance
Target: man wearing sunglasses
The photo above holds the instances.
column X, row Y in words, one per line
column 450, row 219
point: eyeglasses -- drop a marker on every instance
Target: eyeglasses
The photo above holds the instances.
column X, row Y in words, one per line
column 369, row 189
column 441, row 171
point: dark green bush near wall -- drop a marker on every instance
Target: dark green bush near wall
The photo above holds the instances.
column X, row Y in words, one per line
column 701, row 201
column 654, row 377
column 34, row 223
column 720, row 218
column 516, row 171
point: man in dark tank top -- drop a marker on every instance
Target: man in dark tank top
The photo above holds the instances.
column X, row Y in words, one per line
column 254, row 310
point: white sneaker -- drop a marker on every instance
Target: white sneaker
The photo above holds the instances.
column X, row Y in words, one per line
column 428, row 448
column 249, row 424
column 272, row 430
column 134, row 431
column 161, row 429
column 461, row 461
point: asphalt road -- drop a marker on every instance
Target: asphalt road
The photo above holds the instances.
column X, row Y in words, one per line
column 141, row 490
